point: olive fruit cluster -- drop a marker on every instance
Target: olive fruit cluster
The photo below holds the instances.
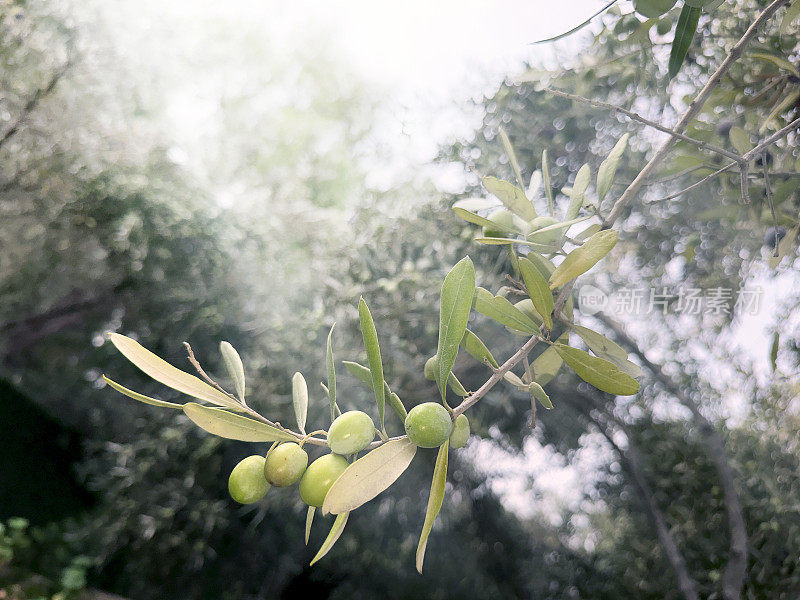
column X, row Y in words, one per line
column 287, row 463
column 507, row 222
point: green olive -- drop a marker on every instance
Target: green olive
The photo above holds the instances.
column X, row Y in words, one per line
column 286, row 464
column 652, row 9
column 247, row 483
column 319, row 478
column 351, row 432
column 431, row 366
column 460, row 435
column 547, row 237
column 428, row 425
column 506, row 220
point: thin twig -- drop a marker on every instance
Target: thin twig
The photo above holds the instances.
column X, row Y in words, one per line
column 637, row 117
column 771, row 202
column 205, row 375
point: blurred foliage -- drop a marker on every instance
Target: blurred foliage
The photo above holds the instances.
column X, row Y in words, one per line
column 101, row 229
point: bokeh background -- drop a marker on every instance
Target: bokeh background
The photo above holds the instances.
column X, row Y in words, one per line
column 244, row 171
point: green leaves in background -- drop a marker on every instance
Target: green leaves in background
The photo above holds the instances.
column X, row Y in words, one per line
column 502, row 311
column 511, row 196
column 234, row 366
column 233, row 427
column 300, row 400
column 684, row 34
column 608, row 168
column 477, row 349
column 792, row 13
column 577, row 194
column 548, row 187
column 512, row 157
column 458, row 290
column 331, row 387
column 165, row 373
column 369, row 476
column 740, row 140
column 370, row 335
column 584, row 257
column 538, row 290
column 602, row 374
column 140, row 397
column 336, row 531
column 434, row 501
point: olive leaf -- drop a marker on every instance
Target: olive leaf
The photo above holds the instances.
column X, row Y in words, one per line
column 466, row 210
column 792, row 13
column 577, row 194
column 548, row 187
column 336, row 531
column 140, row 397
column 588, row 232
column 434, row 501
column 458, row 290
column 370, row 335
column 233, row 427
column 608, row 168
column 369, row 476
column 165, row 373
column 538, row 290
column 537, row 392
column 602, row 374
column 740, row 140
column 364, row 375
column 600, row 344
column 491, row 241
column 512, row 157
column 502, row 311
column 684, row 34
column 511, row 196
column 309, row 521
column 584, row 257
column 546, row 366
column 233, row 363
column 514, row 380
column 300, row 400
column 477, row 349
column 773, row 350
column 331, row 387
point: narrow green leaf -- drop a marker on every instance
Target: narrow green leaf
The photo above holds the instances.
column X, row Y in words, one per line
column 602, row 374
column 546, row 366
column 140, row 397
column 434, row 501
column 511, row 241
column 511, row 196
column 336, row 531
column 458, row 290
column 684, row 34
column 331, row 387
column 233, row 427
column 538, row 392
column 548, row 186
column 515, row 380
column 773, row 350
column 370, row 335
column 502, row 311
column 577, row 194
column 364, row 375
column 577, row 27
column 600, row 344
column 512, row 157
column 165, row 373
column 584, row 257
column 608, row 168
column 588, row 232
column 300, row 400
column 477, row 349
column 792, row 13
column 780, row 108
column 234, row 366
column 778, row 61
column 369, row 476
column 625, row 365
column 309, row 521
column 538, row 290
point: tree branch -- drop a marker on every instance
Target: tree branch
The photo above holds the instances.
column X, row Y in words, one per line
column 736, row 569
column 694, row 109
